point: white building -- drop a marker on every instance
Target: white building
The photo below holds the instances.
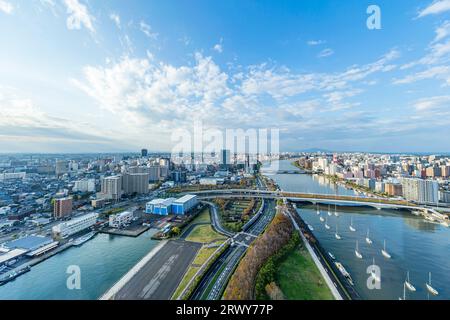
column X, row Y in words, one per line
column 68, row 228
column 86, row 185
column 12, row 175
column 121, row 219
column 419, row 190
column 112, row 187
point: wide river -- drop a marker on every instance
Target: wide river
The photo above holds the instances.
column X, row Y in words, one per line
column 102, row 261
column 415, row 245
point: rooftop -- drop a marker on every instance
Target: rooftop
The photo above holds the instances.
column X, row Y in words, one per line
column 28, row 242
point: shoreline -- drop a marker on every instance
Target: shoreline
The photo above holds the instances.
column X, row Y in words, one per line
column 110, row 293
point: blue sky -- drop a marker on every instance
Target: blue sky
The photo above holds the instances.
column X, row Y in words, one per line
column 88, row 76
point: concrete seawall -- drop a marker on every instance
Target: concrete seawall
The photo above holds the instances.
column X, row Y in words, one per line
column 109, row 295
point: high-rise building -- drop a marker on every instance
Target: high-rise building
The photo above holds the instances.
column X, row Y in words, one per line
column 111, row 187
column 225, row 157
column 393, row 189
column 144, row 152
column 135, row 183
column 61, row 167
column 62, row 207
column 419, row 190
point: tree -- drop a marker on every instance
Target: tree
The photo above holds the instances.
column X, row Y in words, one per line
column 175, row 231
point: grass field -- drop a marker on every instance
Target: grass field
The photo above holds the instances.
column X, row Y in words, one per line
column 203, row 216
column 299, row 279
column 204, row 234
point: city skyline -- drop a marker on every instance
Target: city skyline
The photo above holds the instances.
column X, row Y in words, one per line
column 83, row 76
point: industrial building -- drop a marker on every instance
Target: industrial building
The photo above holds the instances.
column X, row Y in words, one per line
column 184, row 204
column 68, row 228
column 171, row 205
column 159, row 206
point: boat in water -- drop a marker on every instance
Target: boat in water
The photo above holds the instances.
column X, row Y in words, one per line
column 335, row 211
column 331, row 256
column 336, row 235
column 357, row 253
column 351, row 225
column 318, row 211
column 384, row 252
column 310, row 227
column 13, row 275
column 344, row 272
column 329, row 211
column 430, row 289
column 3, row 267
column 79, row 241
column 368, row 240
column 326, row 224
column 321, row 219
column 408, row 284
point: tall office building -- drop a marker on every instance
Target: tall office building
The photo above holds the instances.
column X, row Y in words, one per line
column 111, row 187
column 144, row 152
column 62, row 207
column 225, row 157
column 419, row 190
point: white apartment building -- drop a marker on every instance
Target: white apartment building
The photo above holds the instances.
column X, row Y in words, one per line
column 112, row 187
column 419, row 190
column 120, row 219
column 86, row 185
column 68, row 228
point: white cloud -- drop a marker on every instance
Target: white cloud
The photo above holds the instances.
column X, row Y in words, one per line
column 437, row 72
column 325, row 53
column 78, row 16
column 433, row 103
column 116, row 18
column 436, row 7
column 315, row 42
column 218, row 48
column 443, row 31
column 6, row 7
column 147, row 30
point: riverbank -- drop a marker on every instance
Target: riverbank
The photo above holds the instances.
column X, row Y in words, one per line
column 109, row 295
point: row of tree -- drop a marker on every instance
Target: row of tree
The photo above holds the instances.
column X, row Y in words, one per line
column 277, row 235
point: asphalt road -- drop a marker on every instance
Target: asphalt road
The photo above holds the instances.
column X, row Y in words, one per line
column 160, row 277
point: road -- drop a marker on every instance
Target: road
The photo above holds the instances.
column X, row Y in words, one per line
column 160, row 276
column 214, row 281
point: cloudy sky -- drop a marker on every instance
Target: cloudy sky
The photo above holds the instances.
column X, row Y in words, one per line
column 90, row 75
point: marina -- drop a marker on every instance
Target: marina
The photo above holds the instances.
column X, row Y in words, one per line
column 414, row 245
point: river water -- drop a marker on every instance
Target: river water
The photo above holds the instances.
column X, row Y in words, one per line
column 415, row 245
column 102, row 261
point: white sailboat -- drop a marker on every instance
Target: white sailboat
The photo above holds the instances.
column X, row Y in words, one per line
column 321, row 219
column 368, row 240
column 329, row 211
column 357, row 253
column 351, row 225
column 430, row 289
column 318, row 211
column 384, row 252
column 335, row 211
column 326, row 224
column 310, row 227
column 336, row 235
column 409, row 284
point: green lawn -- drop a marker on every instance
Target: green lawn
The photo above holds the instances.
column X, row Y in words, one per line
column 299, row 279
column 203, row 216
column 204, row 234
